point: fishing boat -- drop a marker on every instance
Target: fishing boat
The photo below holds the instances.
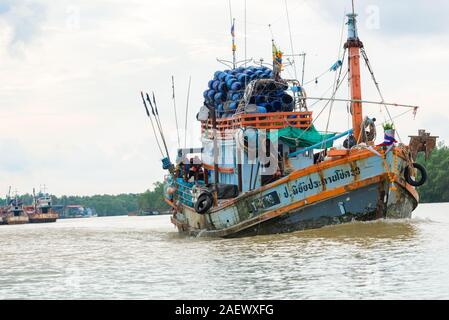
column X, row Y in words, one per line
column 264, row 168
column 41, row 211
column 13, row 213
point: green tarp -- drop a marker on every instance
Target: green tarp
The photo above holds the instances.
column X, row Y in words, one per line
column 298, row 138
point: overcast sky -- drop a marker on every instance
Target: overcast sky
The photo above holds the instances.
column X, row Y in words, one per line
column 71, row 72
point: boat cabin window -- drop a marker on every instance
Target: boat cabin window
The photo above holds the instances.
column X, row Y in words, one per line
column 191, row 170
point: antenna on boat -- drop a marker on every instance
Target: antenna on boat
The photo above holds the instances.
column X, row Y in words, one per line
column 234, row 63
column 291, row 40
column 234, row 47
column 355, row 45
column 245, row 35
column 187, row 112
column 174, row 107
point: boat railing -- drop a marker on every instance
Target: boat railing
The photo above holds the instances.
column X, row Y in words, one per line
column 184, row 191
column 273, row 120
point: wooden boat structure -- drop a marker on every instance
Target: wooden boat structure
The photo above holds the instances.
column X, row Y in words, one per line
column 13, row 212
column 41, row 211
column 263, row 168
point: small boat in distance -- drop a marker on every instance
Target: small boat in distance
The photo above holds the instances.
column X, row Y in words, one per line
column 14, row 212
column 41, row 211
column 263, row 167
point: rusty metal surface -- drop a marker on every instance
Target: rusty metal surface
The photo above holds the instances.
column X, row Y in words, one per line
column 423, row 142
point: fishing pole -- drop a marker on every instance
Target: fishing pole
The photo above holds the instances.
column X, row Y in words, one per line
column 187, row 112
column 158, row 122
column 155, row 114
column 174, row 107
column 152, row 125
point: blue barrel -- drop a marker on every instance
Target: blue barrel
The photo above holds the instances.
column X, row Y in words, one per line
column 260, row 100
column 236, row 86
column 277, row 105
column 237, row 96
column 219, row 97
column 229, row 77
column 222, row 76
column 287, row 107
column 205, row 94
column 216, row 74
column 220, row 108
column 222, row 87
column 287, row 99
column 230, row 82
column 215, row 85
column 210, row 83
column 242, row 78
column 261, row 109
column 233, row 106
column 259, row 74
column 211, row 94
column 279, row 94
column 268, row 107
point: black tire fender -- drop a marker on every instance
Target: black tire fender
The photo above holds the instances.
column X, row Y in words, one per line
column 204, row 203
column 412, row 182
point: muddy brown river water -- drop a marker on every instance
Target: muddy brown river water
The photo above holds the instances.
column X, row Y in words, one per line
column 145, row 258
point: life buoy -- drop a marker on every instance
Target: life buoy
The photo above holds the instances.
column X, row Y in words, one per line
column 415, row 183
column 204, row 203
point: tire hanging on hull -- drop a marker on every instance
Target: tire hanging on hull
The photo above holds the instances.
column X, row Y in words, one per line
column 416, row 183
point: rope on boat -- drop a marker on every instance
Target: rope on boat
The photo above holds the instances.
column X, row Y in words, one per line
column 368, row 64
column 335, row 86
column 325, row 106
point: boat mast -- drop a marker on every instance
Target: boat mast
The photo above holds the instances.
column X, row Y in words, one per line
column 354, row 45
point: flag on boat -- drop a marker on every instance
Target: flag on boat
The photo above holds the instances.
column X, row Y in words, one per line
column 389, row 139
column 233, row 29
column 277, row 61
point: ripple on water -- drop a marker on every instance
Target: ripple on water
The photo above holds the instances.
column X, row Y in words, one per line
column 145, row 258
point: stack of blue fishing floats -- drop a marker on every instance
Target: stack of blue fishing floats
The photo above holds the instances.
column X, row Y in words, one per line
column 226, row 91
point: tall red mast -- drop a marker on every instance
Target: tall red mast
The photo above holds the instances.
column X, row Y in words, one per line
column 354, row 45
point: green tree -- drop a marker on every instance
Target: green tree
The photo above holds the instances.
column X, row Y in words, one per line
column 153, row 199
column 436, row 189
